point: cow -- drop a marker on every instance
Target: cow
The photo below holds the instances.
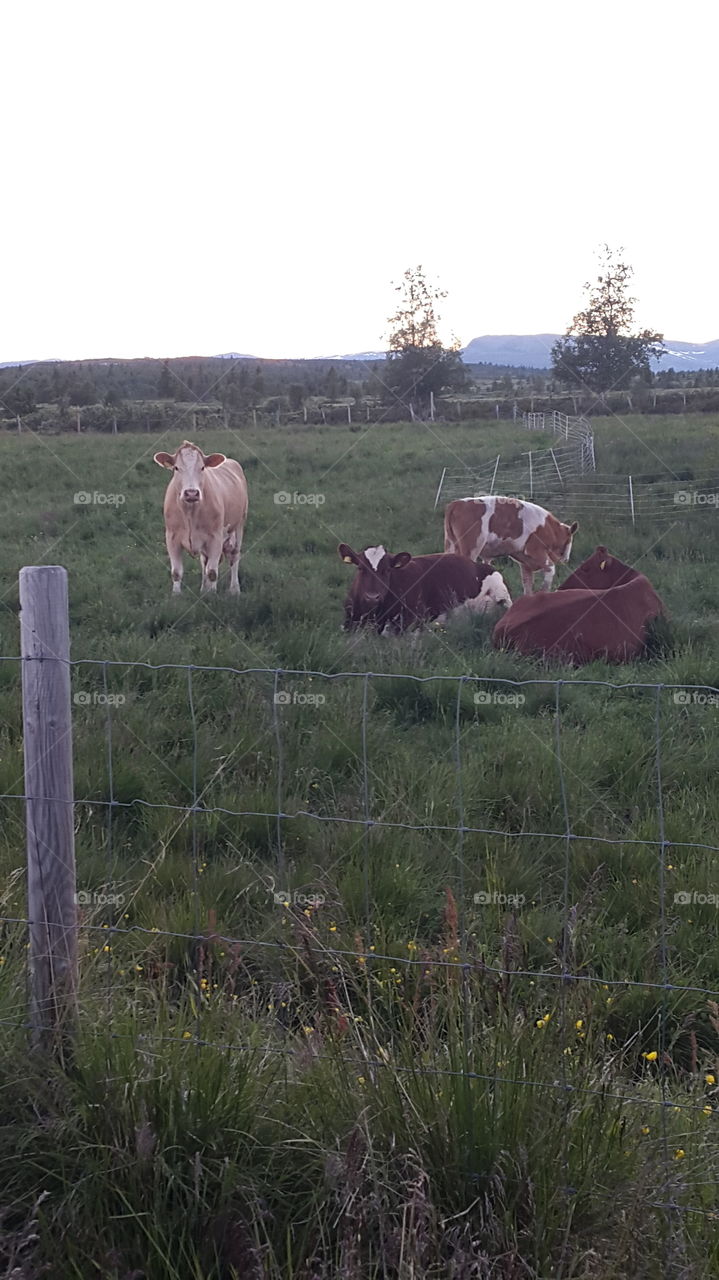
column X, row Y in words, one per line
column 205, row 512
column 496, row 526
column 599, row 571
column 399, row 591
column 579, row 625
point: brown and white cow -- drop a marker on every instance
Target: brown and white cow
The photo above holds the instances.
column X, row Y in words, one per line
column 600, row 570
column 205, row 513
column 399, row 591
column 495, row 526
column 579, row 625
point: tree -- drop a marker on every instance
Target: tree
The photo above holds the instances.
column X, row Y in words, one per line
column 599, row 350
column 417, row 362
column 165, row 383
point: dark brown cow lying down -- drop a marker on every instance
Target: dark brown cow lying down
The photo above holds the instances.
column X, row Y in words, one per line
column 398, row 591
column 599, row 571
column 580, row 625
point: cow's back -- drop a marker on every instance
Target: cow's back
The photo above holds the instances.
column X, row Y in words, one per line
column 430, row 585
column 226, row 491
column 581, row 625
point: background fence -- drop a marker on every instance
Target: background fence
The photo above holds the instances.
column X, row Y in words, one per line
column 567, row 476
column 535, row 474
column 54, row 924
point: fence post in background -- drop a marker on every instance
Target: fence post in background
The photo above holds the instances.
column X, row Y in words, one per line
column 254, row 418
column 431, row 406
column 494, row 474
column 631, row 500
column 439, row 487
column 19, row 424
column 47, row 731
column 349, row 415
column 304, row 414
column 531, row 477
column 79, row 428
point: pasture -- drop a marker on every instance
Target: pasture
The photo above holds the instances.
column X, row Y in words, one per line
column 389, row 1075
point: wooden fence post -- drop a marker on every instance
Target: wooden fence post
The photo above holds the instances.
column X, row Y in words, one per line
column 47, row 730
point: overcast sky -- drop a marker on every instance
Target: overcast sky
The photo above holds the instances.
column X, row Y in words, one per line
column 200, row 178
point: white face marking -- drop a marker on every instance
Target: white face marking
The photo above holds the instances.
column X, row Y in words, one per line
column 568, row 552
column 494, row 591
column 189, row 473
column 374, row 555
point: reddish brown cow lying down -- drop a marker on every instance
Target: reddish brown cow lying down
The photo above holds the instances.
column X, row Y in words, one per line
column 579, row 625
column 599, row 571
column 398, row 591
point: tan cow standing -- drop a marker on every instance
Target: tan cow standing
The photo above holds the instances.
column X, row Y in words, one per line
column 205, row 513
column 495, row 526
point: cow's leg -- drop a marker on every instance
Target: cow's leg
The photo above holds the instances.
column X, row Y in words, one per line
column 231, row 549
column 174, row 551
column 548, row 578
column 527, row 579
column 211, row 565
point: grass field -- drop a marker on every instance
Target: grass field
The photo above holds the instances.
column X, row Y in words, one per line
column 388, row 1077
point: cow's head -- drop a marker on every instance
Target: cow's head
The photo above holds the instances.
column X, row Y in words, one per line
column 370, row 587
column 493, row 592
column 567, row 532
column 188, row 465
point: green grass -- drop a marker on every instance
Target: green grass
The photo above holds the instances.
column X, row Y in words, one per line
column 361, row 1088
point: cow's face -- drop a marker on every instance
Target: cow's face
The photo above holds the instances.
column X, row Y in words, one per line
column 493, row 593
column 189, row 465
column 568, row 530
column 371, row 586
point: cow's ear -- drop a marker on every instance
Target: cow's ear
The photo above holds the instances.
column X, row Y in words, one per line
column 573, row 527
column 346, row 553
column 214, row 459
column 165, row 459
column 401, row 559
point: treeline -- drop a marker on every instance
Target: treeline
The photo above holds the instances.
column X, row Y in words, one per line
column 237, row 384
column 131, row 395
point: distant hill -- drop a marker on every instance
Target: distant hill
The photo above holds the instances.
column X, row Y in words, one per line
column 534, row 351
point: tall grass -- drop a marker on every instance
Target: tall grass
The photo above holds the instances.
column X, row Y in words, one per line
column 393, row 1075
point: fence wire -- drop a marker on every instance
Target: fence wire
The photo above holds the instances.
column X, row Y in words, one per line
column 461, row 959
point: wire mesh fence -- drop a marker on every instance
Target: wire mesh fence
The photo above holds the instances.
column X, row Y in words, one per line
column 264, row 809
